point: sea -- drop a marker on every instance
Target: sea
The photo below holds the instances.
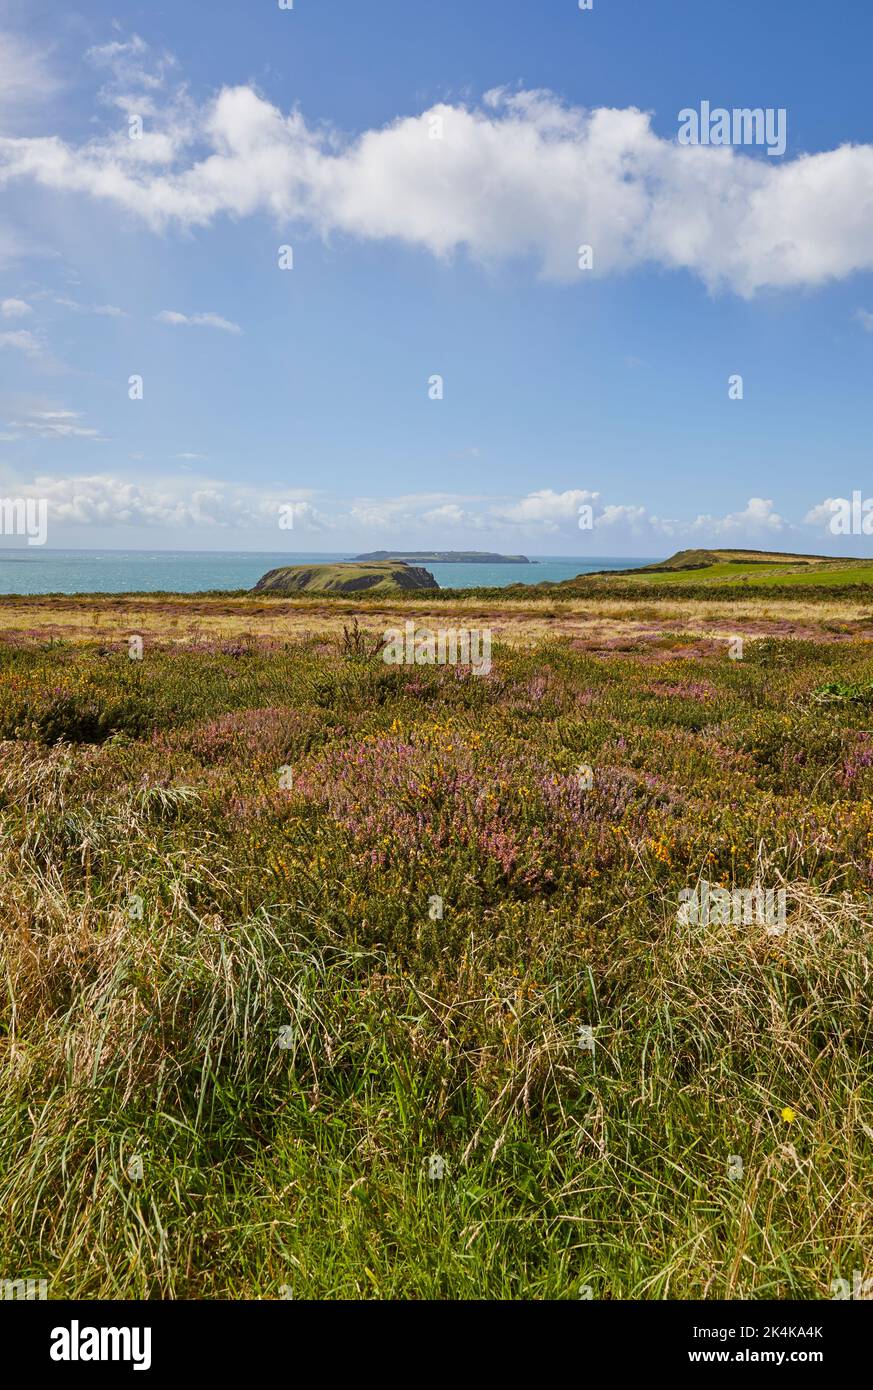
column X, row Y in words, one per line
column 38, row 570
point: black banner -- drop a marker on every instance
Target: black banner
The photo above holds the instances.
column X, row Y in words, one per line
column 81, row 1339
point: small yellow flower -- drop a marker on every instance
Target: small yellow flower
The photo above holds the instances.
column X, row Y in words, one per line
column 788, row 1115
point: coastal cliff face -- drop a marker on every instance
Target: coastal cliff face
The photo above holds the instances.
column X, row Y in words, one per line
column 376, row 577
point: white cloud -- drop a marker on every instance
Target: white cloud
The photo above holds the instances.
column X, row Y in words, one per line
column 546, row 513
column 824, row 512
column 758, row 517
column 306, row 517
column 865, row 318
column 26, row 79
column 21, row 340
column 412, row 512
column 185, row 503
column 106, row 310
column 547, row 509
column 622, row 515
column 118, row 52
column 452, row 517
column 203, row 320
column 102, row 500
column 520, row 175
column 14, row 308
column 135, row 75
column 56, row 424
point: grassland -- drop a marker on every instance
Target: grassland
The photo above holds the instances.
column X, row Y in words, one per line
column 701, row 559
column 520, row 617
column 759, row 574
column 728, row 573
column 237, row 1031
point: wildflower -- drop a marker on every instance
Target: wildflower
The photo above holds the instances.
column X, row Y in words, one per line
column 788, row 1114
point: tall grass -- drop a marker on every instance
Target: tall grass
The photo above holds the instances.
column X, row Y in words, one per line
column 242, row 991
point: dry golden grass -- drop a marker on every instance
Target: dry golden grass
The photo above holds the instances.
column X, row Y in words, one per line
column 517, row 621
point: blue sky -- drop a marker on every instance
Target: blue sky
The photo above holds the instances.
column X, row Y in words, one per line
column 416, row 256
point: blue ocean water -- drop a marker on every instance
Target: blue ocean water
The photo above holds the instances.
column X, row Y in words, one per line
column 38, row 570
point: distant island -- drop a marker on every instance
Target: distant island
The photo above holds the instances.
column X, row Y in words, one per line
column 380, row 577
column 446, row 557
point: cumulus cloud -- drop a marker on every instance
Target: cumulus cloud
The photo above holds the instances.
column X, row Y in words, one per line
column 823, row 513
column 547, row 512
column 758, row 517
column 409, row 512
column 187, row 502
column 100, row 499
column 619, row 514
column 452, row 517
column 14, row 308
column 546, row 508
column 202, row 320
column 520, row 174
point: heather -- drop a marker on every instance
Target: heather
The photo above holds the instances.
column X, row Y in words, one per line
column 284, row 922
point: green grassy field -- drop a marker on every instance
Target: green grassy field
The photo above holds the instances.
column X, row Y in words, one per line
column 727, row 576
column 760, row 574
column 327, row 976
